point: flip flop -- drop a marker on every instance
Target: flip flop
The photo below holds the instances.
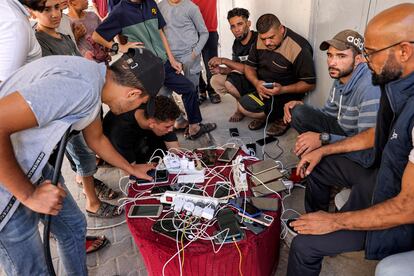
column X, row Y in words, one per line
column 215, row 98
column 102, row 190
column 89, row 244
column 277, row 128
column 256, row 124
column 204, row 128
column 105, row 210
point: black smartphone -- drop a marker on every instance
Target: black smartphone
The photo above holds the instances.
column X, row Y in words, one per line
column 290, row 227
column 234, row 132
column 159, row 176
column 226, row 220
column 159, row 190
column 222, row 189
column 266, row 140
column 268, row 85
column 167, row 227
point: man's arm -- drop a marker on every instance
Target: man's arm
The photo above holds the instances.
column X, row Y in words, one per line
column 101, row 145
column 396, row 211
column 15, row 116
column 300, row 87
column 361, row 141
column 172, row 145
column 175, row 64
column 230, row 64
column 123, row 48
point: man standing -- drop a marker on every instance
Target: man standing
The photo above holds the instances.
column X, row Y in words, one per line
column 231, row 78
column 38, row 103
column 142, row 22
column 283, row 60
column 18, row 42
column 353, row 102
column 386, row 226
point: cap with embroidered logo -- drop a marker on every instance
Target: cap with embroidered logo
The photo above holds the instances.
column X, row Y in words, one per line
column 149, row 70
column 345, row 40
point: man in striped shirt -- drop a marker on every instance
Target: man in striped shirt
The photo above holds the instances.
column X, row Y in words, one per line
column 353, row 102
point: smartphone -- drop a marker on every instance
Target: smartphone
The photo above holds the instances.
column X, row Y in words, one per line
column 221, row 189
column 228, row 154
column 265, row 203
column 268, row 85
column 167, row 227
column 266, row 140
column 227, row 220
column 245, row 207
column 266, row 177
column 219, row 239
column 145, row 211
column 252, row 226
column 263, row 219
column 208, row 156
column 234, row 132
column 159, row 190
column 290, row 227
column 262, row 166
column 159, row 176
column 268, row 188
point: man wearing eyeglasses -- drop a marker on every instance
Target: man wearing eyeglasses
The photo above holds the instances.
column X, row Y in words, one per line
column 387, row 227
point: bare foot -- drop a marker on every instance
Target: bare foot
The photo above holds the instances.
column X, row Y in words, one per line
column 236, row 117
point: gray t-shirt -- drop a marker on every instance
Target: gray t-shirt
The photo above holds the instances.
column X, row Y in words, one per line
column 62, row 91
column 56, row 46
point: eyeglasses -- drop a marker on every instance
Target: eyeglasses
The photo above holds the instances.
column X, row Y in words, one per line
column 367, row 55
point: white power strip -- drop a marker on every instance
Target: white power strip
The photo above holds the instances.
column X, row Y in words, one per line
column 191, row 178
column 239, row 175
column 169, row 196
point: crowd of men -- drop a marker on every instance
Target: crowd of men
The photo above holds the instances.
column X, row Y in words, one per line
column 56, row 70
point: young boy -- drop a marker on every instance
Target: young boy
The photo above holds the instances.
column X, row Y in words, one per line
column 55, row 43
column 89, row 21
column 186, row 34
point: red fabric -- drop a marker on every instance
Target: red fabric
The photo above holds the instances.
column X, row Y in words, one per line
column 260, row 252
column 208, row 9
column 102, row 7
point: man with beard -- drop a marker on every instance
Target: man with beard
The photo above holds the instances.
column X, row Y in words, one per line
column 280, row 66
column 229, row 77
column 384, row 226
column 353, row 102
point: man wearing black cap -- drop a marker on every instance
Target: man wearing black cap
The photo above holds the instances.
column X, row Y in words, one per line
column 353, row 101
column 37, row 105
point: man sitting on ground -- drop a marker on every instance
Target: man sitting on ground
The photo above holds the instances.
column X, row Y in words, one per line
column 38, row 103
column 283, row 59
column 137, row 135
column 353, row 102
column 383, row 223
column 142, row 22
column 231, row 78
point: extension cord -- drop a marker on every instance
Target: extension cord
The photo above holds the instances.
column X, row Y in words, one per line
column 191, row 178
column 239, row 175
column 170, row 196
column 176, row 165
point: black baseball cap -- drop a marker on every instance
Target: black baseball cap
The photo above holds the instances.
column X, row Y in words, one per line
column 149, row 70
column 344, row 40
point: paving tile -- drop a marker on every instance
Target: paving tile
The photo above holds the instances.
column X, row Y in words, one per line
column 122, row 248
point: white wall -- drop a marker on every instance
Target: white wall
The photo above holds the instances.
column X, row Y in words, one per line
column 316, row 20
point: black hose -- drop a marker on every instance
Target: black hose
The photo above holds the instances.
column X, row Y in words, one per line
column 48, row 218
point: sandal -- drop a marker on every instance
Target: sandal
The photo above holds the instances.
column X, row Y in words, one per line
column 102, row 190
column 202, row 97
column 215, row 98
column 94, row 243
column 105, row 210
column 277, row 128
column 204, row 128
column 256, row 124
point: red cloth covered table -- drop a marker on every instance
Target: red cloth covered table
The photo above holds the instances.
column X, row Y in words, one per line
column 260, row 252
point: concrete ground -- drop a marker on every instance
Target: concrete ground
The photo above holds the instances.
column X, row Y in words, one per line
column 122, row 256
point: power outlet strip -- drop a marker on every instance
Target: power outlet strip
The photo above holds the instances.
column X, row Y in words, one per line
column 191, row 178
column 176, row 165
column 239, row 175
column 170, row 196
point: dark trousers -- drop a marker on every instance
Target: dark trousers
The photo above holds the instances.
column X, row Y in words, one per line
column 279, row 101
column 306, row 118
column 307, row 251
column 209, row 51
column 181, row 85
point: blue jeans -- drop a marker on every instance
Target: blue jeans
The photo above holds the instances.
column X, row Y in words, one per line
column 398, row 264
column 80, row 155
column 21, row 249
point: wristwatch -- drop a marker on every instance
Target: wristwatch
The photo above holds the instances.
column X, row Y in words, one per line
column 325, row 138
column 115, row 48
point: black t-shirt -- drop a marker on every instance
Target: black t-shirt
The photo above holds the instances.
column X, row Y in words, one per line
column 288, row 64
column 240, row 51
column 129, row 139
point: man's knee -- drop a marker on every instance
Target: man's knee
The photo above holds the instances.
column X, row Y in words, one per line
column 217, row 82
column 399, row 264
column 299, row 115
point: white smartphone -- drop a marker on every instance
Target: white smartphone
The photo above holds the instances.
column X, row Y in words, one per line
column 145, row 211
column 228, row 154
column 263, row 219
